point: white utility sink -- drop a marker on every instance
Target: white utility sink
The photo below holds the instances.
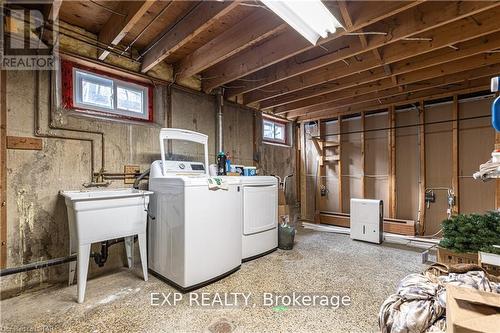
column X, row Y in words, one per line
column 100, row 215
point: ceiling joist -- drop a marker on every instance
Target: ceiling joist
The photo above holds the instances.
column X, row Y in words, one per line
column 414, row 21
column 285, row 46
column 198, row 19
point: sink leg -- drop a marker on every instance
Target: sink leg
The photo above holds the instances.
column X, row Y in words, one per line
column 72, row 264
column 129, row 249
column 83, row 267
column 144, row 257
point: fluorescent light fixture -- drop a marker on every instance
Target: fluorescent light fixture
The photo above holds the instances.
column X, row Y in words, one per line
column 309, row 17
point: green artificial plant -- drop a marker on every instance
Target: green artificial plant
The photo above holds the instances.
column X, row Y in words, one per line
column 472, row 233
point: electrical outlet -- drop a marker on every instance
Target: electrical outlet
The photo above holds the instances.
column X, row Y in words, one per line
column 127, row 169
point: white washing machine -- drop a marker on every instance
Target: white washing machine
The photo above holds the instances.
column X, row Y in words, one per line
column 194, row 234
column 260, row 216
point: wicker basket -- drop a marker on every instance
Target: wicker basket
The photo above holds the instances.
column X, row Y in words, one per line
column 445, row 256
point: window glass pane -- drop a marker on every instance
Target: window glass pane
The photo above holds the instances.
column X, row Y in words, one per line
column 268, row 130
column 279, row 132
column 96, row 90
column 129, row 99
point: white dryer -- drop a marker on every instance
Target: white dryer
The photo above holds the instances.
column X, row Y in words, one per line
column 260, row 216
column 194, row 234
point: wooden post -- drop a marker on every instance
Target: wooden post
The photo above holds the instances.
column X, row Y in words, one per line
column 363, row 159
column 303, row 169
column 497, row 146
column 298, row 168
column 340, row 163
column 455, row 184
column 3, row 169
column 421, row 183
column 392, row 162
column 319, row 174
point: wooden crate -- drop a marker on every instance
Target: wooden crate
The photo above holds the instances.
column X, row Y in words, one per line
column 445, row 256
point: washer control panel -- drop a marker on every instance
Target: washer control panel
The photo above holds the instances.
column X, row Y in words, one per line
column 185, row 167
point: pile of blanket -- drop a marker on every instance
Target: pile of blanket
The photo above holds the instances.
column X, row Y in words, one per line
column 419, row 304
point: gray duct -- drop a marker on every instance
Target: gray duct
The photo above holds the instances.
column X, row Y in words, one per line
column 220, row 121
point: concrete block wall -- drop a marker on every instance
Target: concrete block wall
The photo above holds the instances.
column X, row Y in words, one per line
column 36, row 214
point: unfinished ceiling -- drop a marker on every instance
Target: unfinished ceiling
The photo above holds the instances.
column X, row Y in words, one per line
column 389, row 53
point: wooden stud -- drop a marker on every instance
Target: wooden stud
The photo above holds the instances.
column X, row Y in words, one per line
column 421, row 183
column 497, row 190
column 3, row 168
column 303, row 176
column 341, row 208
column 363, row 157
column 24, row 143
column 455, row 184
column 392, row 162
column 319, row 174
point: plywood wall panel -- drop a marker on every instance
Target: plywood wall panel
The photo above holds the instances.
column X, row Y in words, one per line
column 376, row 159
column 477, row 140
column 407, row 160
column 439, row 161
column 352, row 164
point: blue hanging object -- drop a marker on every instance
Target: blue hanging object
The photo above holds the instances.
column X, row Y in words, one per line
column 495, row 107
column 495, row 114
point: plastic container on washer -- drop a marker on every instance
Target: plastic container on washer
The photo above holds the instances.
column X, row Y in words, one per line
column 249, row 171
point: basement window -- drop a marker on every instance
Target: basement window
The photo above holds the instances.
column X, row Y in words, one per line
column 95, row 92
column 274, row 131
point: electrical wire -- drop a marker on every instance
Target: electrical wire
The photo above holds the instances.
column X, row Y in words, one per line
column 108, row 9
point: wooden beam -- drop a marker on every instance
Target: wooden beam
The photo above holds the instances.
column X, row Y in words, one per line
column 286, row 46
column 452, row 72
column 455, row 183
column 118, row 26
column 51, row 10
column 404, row 60
column 341, row 203
column 198, row 19
column 333, row 69
column 421, row 180
column 303, row 176
column 320, row 166
column 468, row 87
column 3, row 168
column 363, row 157
column 249, row 31
column 392, row 162
column 392, row 226
column 24, row 143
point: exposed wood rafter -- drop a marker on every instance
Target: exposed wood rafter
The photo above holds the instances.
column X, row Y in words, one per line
column 117, row 27
column 199, row 19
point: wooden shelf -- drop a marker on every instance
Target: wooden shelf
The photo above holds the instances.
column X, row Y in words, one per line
column 333, row 158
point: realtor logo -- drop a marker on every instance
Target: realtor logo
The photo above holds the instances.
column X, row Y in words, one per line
column 28, row 35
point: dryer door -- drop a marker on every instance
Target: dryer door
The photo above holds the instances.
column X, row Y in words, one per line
column 260, row 208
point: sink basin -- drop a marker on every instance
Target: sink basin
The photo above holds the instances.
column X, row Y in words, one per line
column 100, row 215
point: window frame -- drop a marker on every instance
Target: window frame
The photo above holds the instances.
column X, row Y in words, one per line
column 71, row 87
column 275, row 122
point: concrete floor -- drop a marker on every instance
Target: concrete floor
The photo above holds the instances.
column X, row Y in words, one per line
column 321, row 264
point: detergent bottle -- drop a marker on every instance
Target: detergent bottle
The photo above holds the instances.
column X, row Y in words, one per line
column 221, row 164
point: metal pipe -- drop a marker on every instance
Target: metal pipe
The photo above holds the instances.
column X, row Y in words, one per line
column 37, row 265
column 220, row 121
